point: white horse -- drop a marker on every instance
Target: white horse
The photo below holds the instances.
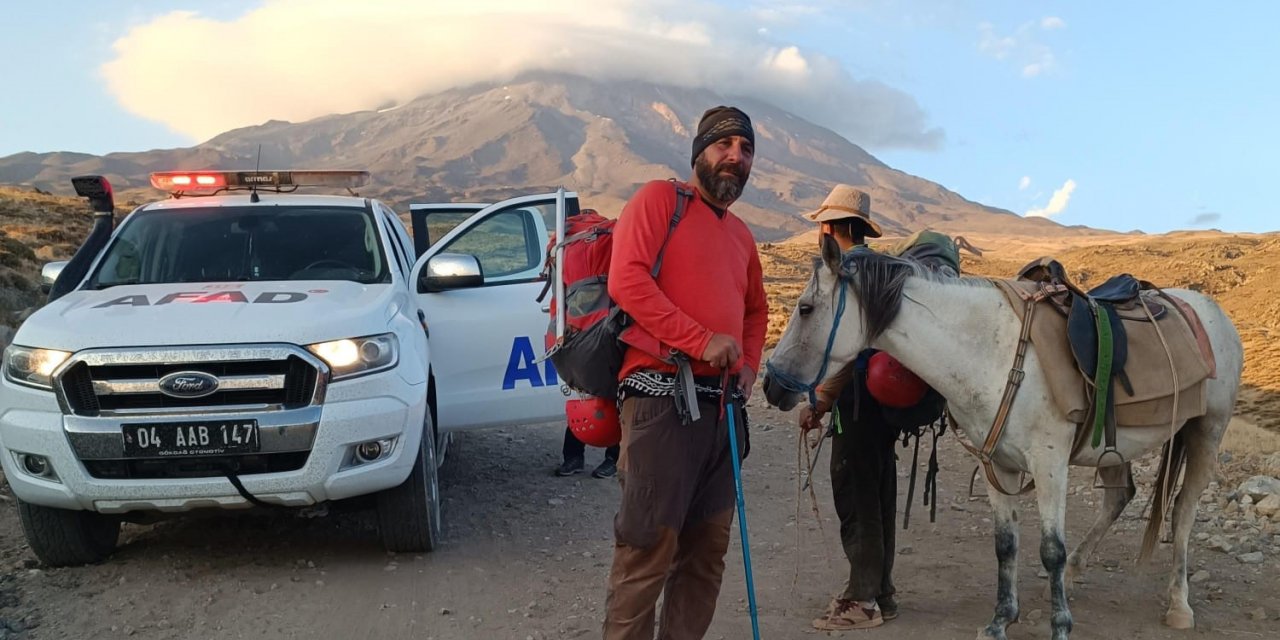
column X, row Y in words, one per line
column 960, row 336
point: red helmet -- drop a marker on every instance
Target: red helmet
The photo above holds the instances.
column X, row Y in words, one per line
column 892, row 384
column 594, row 421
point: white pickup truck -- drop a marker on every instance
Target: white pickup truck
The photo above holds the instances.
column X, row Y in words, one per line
column 241, row 344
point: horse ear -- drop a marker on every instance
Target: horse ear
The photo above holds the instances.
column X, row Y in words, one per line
column 831, row 253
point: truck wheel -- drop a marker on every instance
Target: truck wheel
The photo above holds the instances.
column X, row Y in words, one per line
column 62, row 537
column 409, row 514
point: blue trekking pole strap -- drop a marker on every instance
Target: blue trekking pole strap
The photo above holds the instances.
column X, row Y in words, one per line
column 727, row 397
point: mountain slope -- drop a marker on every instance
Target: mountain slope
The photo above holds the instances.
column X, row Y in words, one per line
column 602, row 139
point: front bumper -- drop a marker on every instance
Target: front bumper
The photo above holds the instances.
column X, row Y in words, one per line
column 376, row 407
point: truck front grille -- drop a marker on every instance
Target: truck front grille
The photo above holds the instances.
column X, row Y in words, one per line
column 121, row 382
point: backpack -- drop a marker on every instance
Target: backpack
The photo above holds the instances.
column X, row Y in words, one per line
column 597, row 332
column 935, row 250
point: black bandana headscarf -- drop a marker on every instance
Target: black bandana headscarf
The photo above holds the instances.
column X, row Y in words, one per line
column 721, row 122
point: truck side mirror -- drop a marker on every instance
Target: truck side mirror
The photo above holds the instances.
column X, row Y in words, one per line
column 49, row 275
column 451, row 271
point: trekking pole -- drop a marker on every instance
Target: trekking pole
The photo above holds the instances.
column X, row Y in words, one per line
column 742, row 509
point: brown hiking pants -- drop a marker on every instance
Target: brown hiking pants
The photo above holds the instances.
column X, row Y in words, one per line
column 672, row 527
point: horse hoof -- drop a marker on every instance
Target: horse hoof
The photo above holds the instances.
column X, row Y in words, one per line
column 988, row 634
column 1180, row 619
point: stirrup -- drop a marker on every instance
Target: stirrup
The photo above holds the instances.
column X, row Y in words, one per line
column 1097, row 470
column 973, row 477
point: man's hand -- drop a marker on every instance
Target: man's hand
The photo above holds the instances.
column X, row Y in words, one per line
column 722, row 352
column 809, row 420
column 746, row 381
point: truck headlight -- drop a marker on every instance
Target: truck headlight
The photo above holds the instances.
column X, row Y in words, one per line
column 32, row 367
column 352, row 357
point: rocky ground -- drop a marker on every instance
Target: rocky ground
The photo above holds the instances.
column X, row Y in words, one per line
column 527, row 555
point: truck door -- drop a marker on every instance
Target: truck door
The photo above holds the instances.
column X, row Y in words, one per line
column 486, row 335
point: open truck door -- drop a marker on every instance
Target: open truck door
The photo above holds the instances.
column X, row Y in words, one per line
column 478, row 286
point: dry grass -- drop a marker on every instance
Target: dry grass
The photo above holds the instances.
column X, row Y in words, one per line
column 34, row 229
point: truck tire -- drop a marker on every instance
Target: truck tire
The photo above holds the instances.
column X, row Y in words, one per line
column 409, row 514
column 63, row 538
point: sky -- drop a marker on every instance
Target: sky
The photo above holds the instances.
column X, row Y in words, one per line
column 1154, row 116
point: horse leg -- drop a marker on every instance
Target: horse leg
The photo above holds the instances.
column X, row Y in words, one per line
column 1120, row 490
column 1005, row 517
column 1202, row 452
column 1050, row 472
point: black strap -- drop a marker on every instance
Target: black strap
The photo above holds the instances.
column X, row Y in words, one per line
column 911, row 487
column 235, row 482
column 682, row 195
column 931, row 478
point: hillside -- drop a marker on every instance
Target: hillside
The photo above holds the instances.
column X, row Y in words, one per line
column 602, row 139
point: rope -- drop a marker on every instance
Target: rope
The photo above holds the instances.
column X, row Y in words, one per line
column 1173, row 413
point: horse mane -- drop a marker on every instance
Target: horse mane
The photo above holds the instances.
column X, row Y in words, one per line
column 879, row 280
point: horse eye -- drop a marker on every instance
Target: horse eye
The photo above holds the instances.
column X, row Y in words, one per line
column 806, row 309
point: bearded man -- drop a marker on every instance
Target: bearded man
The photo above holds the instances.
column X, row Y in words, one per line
column 707, row 303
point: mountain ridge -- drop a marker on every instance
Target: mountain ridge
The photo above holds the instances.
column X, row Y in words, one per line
column 602, row 139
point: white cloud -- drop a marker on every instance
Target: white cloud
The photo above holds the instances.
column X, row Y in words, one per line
column 300, row 59
column 995, row 46
column 1038, row 67
column 1024, row 183
column 1057, row 203
column 1022, row 47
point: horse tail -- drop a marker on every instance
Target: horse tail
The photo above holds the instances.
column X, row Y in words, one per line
column 1173, row 457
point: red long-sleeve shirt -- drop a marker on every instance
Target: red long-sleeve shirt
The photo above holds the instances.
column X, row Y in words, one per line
column 710, row 281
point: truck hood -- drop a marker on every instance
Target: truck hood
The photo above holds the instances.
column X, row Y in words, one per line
column 298, row 312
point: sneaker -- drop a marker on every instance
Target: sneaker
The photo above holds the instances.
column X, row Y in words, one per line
column 844, row 615
column 607, row 469
column 569, row 467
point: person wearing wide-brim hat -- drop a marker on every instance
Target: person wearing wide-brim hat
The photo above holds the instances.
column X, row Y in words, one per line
column 863, row 466
column 848, row 210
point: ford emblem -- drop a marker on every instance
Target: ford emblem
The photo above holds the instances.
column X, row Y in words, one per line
column 188, row 384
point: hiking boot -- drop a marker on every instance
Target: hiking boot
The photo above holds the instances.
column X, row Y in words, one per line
column 607, row 469
column 845, row 615
column 569, row 467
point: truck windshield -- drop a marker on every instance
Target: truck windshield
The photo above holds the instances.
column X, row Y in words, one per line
column 219, row 244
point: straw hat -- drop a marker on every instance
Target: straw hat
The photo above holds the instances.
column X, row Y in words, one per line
column 845, row 202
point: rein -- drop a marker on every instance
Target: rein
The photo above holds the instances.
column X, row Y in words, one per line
column 792, row 383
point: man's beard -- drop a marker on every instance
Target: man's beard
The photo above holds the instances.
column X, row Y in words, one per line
column 721, row 187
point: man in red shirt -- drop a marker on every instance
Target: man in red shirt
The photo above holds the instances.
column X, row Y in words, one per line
column 707, row 304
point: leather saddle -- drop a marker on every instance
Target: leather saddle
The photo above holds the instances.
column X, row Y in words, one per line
column 1095, row 328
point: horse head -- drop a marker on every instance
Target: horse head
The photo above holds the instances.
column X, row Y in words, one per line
column 821, row 333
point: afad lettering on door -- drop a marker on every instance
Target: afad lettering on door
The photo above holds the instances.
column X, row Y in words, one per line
column 522, row 366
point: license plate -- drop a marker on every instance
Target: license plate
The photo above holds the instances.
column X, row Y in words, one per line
column 162, row 440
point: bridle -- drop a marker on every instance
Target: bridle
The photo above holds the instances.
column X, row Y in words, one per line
column 794, row 384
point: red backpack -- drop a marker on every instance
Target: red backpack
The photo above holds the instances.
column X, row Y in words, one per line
column 597, row 332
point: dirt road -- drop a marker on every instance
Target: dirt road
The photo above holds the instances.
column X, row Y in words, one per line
column 527, row 555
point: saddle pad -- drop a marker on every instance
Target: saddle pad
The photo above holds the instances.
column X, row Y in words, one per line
column 1147, row 366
